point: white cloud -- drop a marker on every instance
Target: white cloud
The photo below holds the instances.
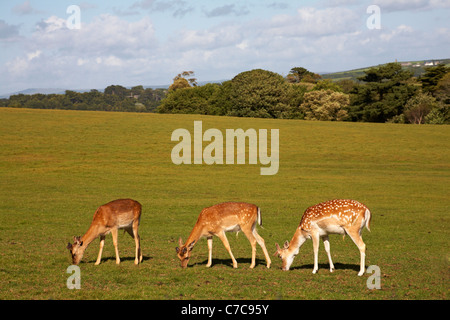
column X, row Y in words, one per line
column 311, row 22
column 33, row 55
column 51, row 24
column 109, row 49
column 104, row 34
column 104, row 48
column 396, row 33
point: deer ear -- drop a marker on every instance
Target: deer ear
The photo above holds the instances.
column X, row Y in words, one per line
column 286, row 244
column 277, row 253
column 180, row 242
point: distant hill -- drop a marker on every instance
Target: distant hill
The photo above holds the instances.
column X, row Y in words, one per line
column 34, row 91
column 417, row 67
column 31, row 91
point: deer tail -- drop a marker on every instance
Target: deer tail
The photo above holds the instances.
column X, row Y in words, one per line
column 367, row 218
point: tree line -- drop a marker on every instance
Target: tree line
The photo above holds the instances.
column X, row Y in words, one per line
column 387, row 93
column 114, row 98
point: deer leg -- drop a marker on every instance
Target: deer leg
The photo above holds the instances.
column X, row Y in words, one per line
column 133, row 232
column 251, row 238
column 326, row 244
column 225, row 242
column 315, row 240
column 102, row 243
column 114, row 236
column 137, row 240
column 262, row 244
column 356, row 237
column 210, row 240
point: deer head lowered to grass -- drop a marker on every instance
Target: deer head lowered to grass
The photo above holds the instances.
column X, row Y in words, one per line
column 330, row 217
column 109, row 218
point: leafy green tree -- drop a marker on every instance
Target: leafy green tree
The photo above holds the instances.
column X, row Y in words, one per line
column 194, row 100
column 300, row 74
column 418, row 107
column 382, row 95
column 347, row 85
column 116, row 90
column 432, row 76
column 220, row 102
column 325, row 105
column 327, row 84
column 151, row 98
column 182, row 81
column 439, row 114
column 259, row 93
column 442, row 89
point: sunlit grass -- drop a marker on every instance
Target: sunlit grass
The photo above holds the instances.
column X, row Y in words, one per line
column 57, row 167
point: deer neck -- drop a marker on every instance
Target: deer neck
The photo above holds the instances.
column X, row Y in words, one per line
column 195, row 235
column 90, row 236
column 297, row 241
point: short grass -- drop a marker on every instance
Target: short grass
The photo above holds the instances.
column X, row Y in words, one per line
column 57, row 167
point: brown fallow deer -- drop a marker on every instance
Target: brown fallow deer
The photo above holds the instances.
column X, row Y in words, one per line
column 109, row 218
column 221, row 218
column 330, row 217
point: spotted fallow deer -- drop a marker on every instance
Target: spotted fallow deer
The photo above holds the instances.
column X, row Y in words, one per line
column 109, row 218
column 330, row 217
column 221, row 218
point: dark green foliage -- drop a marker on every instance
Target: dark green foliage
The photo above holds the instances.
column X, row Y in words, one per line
column 114, row 98
column 432, row 76
column 382, row 95
column 259, row 93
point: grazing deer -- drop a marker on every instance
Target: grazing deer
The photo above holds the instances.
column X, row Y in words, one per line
column 330, row 217
column 110, row 217
column 221, row 218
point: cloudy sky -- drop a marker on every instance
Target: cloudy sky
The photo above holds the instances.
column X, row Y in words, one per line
column 149, row 42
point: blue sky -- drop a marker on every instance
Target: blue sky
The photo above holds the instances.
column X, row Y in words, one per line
column 149, row 42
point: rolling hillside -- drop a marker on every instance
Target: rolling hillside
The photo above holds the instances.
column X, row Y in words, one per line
column 416, row 67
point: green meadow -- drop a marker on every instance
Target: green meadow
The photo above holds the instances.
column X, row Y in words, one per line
column 57, row 167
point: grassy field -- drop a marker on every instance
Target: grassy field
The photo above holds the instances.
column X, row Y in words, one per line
column 57, row 167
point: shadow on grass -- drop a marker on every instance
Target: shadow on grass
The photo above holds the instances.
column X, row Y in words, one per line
column 326, row 266
column 122, row 259
column 229, row 263
column 244, row 261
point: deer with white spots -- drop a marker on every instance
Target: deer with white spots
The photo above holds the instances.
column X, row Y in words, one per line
column 330, row 217
column 221, row 218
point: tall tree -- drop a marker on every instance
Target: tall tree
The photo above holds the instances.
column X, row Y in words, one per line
column 382, row 95
column 432, row 76
column 325, row 105
column 259, row 93
column 300, row 74
column 182, row 80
